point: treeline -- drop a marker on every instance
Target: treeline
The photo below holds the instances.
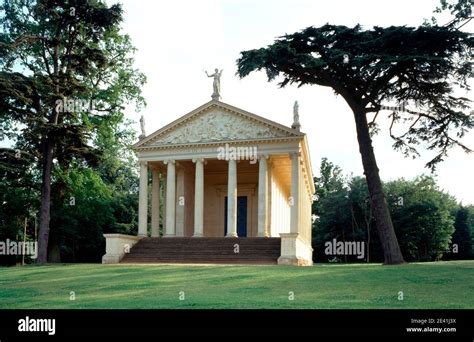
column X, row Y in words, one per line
column 429, row 223
column 87, row 200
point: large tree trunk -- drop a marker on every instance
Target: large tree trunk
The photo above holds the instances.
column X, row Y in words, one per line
column 54, row 251
column 43, row 234
column 391, row 249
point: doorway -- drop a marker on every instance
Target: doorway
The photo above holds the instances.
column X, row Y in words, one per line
column 241, row 216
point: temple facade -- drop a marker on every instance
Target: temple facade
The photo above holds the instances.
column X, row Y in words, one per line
column 222, row 172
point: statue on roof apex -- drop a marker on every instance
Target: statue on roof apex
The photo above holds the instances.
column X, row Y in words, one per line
column 216, row 95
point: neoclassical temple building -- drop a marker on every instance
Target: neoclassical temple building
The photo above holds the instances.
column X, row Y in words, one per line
column 227, row 186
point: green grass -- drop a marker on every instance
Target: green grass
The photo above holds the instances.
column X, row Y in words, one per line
column 424, row 285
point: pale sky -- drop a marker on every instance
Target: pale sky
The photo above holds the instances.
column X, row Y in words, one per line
column 177, row 40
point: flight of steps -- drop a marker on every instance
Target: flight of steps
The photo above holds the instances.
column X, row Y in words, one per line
column 205, row 250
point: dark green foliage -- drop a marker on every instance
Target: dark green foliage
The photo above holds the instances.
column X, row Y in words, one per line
column 463, row 237
column 422, row 216
column 91, row 207
column 419, row 68
column 59, row 52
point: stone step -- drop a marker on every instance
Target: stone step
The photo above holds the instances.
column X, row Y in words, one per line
column 205, row 246
column 198, row 261
column 201, row 252
column 205, row 250
column 248, row 257
column 210, row 240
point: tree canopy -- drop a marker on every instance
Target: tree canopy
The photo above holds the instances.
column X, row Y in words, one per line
column 419, row 68
column 65, row 70
column 414, row 72
column 429, row 223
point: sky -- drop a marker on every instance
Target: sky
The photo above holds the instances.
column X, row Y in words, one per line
column 178, row 40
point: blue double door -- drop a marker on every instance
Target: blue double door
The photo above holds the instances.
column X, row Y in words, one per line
column 241, row 216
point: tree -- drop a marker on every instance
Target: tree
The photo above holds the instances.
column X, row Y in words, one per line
column 362, row 220
column 64, row 68
column 423, row 217
column 461, row 10
column 372, row 68
column 330, row 180
column 81, row 221
column 103, row 198
column 331, row 208
column 463, row 237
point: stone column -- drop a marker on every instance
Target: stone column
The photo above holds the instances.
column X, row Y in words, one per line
column 269, row 197
column 199, row 199
column 262, row 196
column 232, row 200
column 295, row 196
column 170, row 198
column 180, row 204
column 165, row 181
column 155, row 203
column 143, row 200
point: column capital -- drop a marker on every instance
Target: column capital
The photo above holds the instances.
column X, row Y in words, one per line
column 295, row 154
column 142, row 163
column 263, row 156
column 171, row 161
column 202, row 160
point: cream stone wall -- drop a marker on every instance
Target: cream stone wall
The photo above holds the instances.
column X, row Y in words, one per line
column 279, row 209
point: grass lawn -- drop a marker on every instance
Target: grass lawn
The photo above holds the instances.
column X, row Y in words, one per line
column 424, row 285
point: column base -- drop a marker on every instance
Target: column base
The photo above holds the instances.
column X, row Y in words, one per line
column 231, row 235
column 262, row 235
column 155, row 236
column 294, row 261
column 111, row 259
column 142, row 235
column 169, row 236
column 295, row 251
column 198, row 235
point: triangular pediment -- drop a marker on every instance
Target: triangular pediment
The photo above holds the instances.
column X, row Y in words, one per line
column 217, row 121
